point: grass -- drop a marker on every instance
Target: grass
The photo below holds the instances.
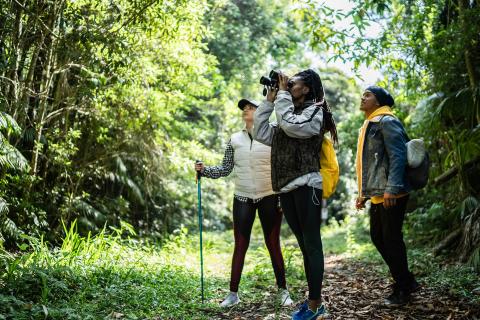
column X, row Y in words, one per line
column 99, row 277
column 113, row 276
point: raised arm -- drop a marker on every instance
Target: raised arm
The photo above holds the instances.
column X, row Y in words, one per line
column 262, row 129
column 302, row 126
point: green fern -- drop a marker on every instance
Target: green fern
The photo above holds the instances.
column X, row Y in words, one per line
column 29, row 135
column 3, row 207
column 88, row 210
column 8, row 124
column 10, row 157
column 460, row 107
column 120, row 176
column 8, row 228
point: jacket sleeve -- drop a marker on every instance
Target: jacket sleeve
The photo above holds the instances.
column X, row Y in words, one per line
column 395, row 138
column 225, row 168
column 302, row 126
column 262, row 130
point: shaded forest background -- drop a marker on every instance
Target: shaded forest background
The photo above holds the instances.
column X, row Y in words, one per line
column 105, row 105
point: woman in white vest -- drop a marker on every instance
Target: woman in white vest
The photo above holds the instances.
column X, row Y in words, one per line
column 250, row 161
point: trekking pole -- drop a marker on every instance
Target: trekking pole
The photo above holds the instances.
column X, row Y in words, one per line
column 200, row 223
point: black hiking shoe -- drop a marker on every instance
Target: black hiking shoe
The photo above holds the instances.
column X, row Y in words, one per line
column 414, row 286
column 397, row 298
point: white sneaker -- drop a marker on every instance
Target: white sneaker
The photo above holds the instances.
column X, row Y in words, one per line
column 285, row 300
column 231, row 300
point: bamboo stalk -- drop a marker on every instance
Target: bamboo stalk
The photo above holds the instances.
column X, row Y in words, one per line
column 46, row 81
column 463, row 6
column 13, row 93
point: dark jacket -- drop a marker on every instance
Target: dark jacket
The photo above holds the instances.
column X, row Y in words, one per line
column 384, row 158
column 297, row 124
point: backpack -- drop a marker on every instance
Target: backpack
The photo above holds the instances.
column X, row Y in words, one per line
column 418, row 164
column 329, row 168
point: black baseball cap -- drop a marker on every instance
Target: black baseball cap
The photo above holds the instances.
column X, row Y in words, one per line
column 243, row 102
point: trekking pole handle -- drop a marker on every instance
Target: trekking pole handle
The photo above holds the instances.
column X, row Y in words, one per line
column 199, row 173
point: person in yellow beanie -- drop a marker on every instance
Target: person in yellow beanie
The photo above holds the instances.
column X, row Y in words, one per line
column 381, row 174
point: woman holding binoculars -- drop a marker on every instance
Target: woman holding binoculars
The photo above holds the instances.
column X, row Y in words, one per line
column 303, row 116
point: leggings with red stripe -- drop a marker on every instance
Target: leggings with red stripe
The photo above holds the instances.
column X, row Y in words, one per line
column 271, row 220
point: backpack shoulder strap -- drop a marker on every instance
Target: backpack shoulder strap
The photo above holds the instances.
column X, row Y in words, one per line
column 389, row 115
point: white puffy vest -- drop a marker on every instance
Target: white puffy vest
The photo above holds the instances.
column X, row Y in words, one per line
column 251, row 167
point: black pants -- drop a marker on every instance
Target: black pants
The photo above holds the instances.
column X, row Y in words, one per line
column 302, row 208
column 271, row 220
column 386, row 233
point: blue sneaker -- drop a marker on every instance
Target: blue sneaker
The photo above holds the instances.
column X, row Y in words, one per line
column 309, row 314
column 302, row 308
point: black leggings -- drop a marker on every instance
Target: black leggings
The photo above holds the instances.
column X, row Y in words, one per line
column 302, row 209
column 271, row 220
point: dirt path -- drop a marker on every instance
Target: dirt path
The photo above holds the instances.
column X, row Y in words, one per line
column 354, row 290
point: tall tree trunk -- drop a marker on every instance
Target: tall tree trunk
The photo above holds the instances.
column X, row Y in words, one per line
column 13, row 93
column 47, row 67
column 464, row 6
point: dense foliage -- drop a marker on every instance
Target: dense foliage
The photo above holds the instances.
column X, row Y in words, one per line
column 106, row 104
column 429, row 52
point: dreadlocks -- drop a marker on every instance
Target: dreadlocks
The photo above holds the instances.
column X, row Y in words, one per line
column 317, row 94
column 314, row 83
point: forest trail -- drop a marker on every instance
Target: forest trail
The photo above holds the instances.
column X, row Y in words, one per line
column 355, row 289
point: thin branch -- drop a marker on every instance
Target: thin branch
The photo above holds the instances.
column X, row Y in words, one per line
column 57, row 112
column 134, row 16
column 8, row 79
column 21, row 5
column 452, row 172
